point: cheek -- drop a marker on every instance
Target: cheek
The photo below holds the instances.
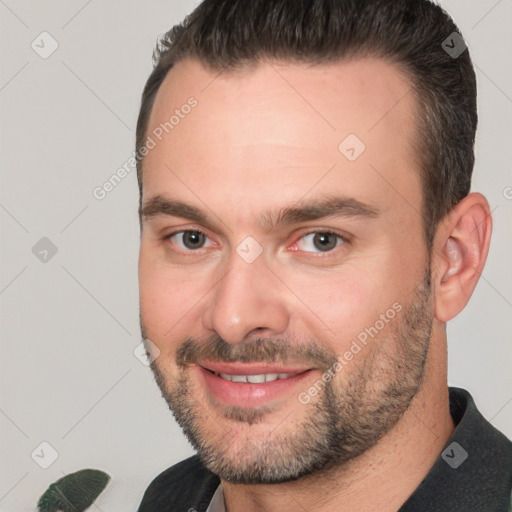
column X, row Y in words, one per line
column 334, row 306
column 167, row 299
column 340, row 306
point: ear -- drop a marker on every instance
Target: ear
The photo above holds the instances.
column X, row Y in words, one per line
column 460, row 249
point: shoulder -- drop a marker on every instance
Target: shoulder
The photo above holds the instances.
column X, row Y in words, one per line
column 472, row 428
column 474, row 470
column 186, row 485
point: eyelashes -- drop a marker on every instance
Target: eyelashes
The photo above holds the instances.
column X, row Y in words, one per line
column 319, row 235
column 186, row 245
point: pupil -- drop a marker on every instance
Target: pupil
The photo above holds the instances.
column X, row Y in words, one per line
column 324, row 243
column 193, row 239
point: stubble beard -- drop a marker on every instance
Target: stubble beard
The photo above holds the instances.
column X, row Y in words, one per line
column 347, row 419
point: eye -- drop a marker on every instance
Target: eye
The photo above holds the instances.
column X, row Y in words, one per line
column 187, row 239
column 321, row 241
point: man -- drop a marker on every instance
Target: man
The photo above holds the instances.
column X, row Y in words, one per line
column 307, row 231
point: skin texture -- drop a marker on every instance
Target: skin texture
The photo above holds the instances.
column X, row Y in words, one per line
column 265, row 139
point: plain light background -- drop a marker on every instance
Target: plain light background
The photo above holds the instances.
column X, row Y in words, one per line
column 70, row 324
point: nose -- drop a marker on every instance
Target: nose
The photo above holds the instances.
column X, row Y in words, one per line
column 248, row 299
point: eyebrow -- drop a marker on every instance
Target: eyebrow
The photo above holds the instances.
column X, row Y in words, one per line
column 330, row 206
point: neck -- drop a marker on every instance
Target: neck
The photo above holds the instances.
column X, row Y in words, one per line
column 392, row 469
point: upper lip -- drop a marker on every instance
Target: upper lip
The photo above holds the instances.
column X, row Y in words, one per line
column 251, row 368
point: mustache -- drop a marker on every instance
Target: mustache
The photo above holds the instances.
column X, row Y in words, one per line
column 265, row 350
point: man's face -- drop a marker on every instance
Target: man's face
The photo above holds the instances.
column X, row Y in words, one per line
column 324, row 321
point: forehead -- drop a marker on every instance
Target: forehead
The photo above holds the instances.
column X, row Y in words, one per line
column 278, row 130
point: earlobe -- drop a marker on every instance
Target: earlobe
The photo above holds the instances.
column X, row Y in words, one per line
column 463, row 244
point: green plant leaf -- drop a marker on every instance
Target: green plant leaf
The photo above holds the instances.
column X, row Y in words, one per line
column 74, row 492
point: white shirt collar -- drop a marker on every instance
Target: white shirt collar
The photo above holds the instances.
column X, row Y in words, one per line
column 217, row 504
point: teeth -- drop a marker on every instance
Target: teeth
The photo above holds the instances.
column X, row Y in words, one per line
column 238, row 378
column 255, row 379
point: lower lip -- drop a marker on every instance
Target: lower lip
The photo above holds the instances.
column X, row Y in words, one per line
column 243, row 394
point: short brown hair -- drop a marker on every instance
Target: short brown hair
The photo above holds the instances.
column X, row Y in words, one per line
column 234, row 34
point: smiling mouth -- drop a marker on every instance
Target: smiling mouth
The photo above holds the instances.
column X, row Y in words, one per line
column 259, row 378
column 250, row 384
